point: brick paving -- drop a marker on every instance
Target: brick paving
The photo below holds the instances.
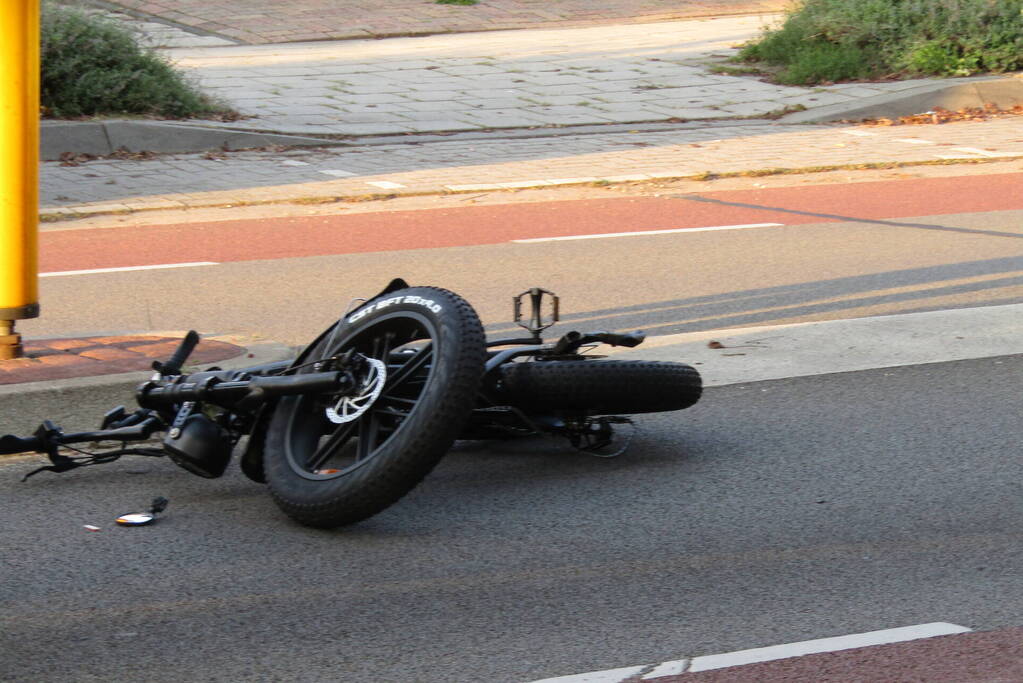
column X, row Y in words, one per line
column 557, row 98
column 460, row 165
column 534, row 108
column 516, row 79
column 52, row 359
column 259, row 22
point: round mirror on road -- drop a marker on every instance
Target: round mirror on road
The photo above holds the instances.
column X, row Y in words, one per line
column 136, row 519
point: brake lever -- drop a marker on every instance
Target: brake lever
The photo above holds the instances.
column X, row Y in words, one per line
column 47, row 437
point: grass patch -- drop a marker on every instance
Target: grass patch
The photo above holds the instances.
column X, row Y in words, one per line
column 728, row 70
column 91, row 65
column 824, row 41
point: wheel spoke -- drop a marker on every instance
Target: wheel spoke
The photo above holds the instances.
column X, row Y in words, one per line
column 404, row 375
column 390, row 417
column 332, row 446
column 409, row 369
column 368, row 429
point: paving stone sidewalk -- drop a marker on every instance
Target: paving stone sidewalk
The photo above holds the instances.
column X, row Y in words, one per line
column 462, row 165
column 259, row 22
column 563, row 95
column 604, row 74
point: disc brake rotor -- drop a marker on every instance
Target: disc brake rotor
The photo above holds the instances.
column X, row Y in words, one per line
column 352, row 407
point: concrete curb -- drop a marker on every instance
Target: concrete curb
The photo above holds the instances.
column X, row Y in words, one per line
column 949, row 94
column 81, row 401
column 100, row 138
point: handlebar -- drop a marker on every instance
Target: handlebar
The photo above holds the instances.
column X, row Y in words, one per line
column 571, row 342
column 10, row 444
column 157, row 395
column 48, row 436
column 211, row 388
column 181, row 354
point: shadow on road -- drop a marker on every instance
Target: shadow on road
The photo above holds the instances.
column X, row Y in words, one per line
column 910, row 290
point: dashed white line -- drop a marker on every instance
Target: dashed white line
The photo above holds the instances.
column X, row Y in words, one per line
column 123, row 269
column 913, row 141
column 809, row 647
column 974, row 150
column 474, row 187
column 676, row 668
column 336, row 172
column 608, row 676
column 765, row 654
column 385, row 184
column 647, row 232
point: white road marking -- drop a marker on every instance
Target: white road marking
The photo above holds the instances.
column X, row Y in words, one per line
column 294, row 162
column 385, row 184
column 914, row 141
column 128, row 268
column 474, row 187
column 974, row 150
column 647, row 232
column 765, row 654
column 336, row 172
column 809, row 647
column 609, row 676
column 858, row 133
column 668, row 669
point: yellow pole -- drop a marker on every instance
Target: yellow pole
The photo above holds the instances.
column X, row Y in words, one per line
column 19, row 168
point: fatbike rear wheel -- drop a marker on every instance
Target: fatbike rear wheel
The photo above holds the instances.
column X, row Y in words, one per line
column 599, row 387
column 418, row 355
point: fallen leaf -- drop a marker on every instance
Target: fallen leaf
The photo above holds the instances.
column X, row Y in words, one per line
column 940, row 115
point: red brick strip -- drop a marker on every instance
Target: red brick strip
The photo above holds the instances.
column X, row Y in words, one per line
column 51, row 359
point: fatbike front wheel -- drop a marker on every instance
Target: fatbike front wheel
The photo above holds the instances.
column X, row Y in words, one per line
column 418, row 356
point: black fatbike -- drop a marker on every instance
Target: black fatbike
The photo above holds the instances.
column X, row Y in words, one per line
column 368, row 409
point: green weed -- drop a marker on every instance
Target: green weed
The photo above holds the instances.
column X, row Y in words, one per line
column 842, row 40
column 93, row 66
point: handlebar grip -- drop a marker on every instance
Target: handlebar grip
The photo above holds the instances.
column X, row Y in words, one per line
column 181, row 354
column 630, row 339
column 10, row 444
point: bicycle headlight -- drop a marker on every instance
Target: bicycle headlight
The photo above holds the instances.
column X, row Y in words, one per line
column 199, row 446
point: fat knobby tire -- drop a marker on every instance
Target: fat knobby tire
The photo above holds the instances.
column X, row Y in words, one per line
column 599, row 387
column 418, row 443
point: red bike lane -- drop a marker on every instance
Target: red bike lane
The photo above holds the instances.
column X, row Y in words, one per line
column 291, row 237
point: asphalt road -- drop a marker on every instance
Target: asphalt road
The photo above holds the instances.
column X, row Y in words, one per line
column 771, row 512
